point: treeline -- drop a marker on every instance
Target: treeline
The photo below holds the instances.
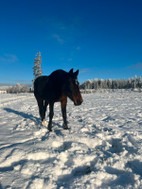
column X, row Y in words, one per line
column 18, row 89
column 112, row 84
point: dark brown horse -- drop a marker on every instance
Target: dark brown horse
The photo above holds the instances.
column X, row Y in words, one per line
column 56, row 88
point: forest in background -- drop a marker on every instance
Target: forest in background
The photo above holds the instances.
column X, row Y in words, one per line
column 96, row 84
column 132, row 83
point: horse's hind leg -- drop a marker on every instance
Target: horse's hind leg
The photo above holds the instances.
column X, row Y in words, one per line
column 42, row 109
column 51, row 113
column 45, row 103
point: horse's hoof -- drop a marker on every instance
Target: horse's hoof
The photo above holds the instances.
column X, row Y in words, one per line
column 44, row 123
column 65, row 127
column 49, row 130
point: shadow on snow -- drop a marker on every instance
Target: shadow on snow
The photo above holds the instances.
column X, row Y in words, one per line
column 22, row 114
column 34, row 119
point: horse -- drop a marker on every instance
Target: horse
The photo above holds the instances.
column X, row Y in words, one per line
column 56, row 88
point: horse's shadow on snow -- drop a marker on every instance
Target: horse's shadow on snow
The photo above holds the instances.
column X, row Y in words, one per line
column 32, row 118
column 24, row 115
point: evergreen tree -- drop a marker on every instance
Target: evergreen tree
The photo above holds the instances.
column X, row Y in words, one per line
column 37, row 71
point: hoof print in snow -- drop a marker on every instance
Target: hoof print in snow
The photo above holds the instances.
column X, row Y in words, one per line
column 135, row 166
column 116, row 146
column 82, row 170
column 64, row 146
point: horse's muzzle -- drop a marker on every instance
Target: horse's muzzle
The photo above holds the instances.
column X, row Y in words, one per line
column 79, row 102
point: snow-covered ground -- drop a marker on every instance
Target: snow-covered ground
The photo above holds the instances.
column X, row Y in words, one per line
column 102, row 149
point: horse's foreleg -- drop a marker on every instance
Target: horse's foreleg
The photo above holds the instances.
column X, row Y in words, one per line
column 51, row 113
column 64, row 114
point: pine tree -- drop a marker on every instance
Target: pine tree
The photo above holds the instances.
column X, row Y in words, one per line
column 37, row 71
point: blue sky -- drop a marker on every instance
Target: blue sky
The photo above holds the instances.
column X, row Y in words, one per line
column 101, row 38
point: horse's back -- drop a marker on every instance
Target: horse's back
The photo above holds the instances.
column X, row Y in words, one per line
column 58, row 77
column 50, row 87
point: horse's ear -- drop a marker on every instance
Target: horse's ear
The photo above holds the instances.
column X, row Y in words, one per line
column 71, row 71
column 76, row 73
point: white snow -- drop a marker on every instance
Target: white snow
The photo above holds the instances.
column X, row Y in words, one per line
column 102, row 148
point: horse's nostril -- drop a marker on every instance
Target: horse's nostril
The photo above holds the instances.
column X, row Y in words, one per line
column 79, row 102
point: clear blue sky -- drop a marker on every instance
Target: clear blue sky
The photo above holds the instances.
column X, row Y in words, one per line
column 101, row 38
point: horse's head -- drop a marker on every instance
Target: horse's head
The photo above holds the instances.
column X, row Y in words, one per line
column 73, row 91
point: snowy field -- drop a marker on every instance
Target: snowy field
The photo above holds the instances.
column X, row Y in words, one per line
column 102, row 149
